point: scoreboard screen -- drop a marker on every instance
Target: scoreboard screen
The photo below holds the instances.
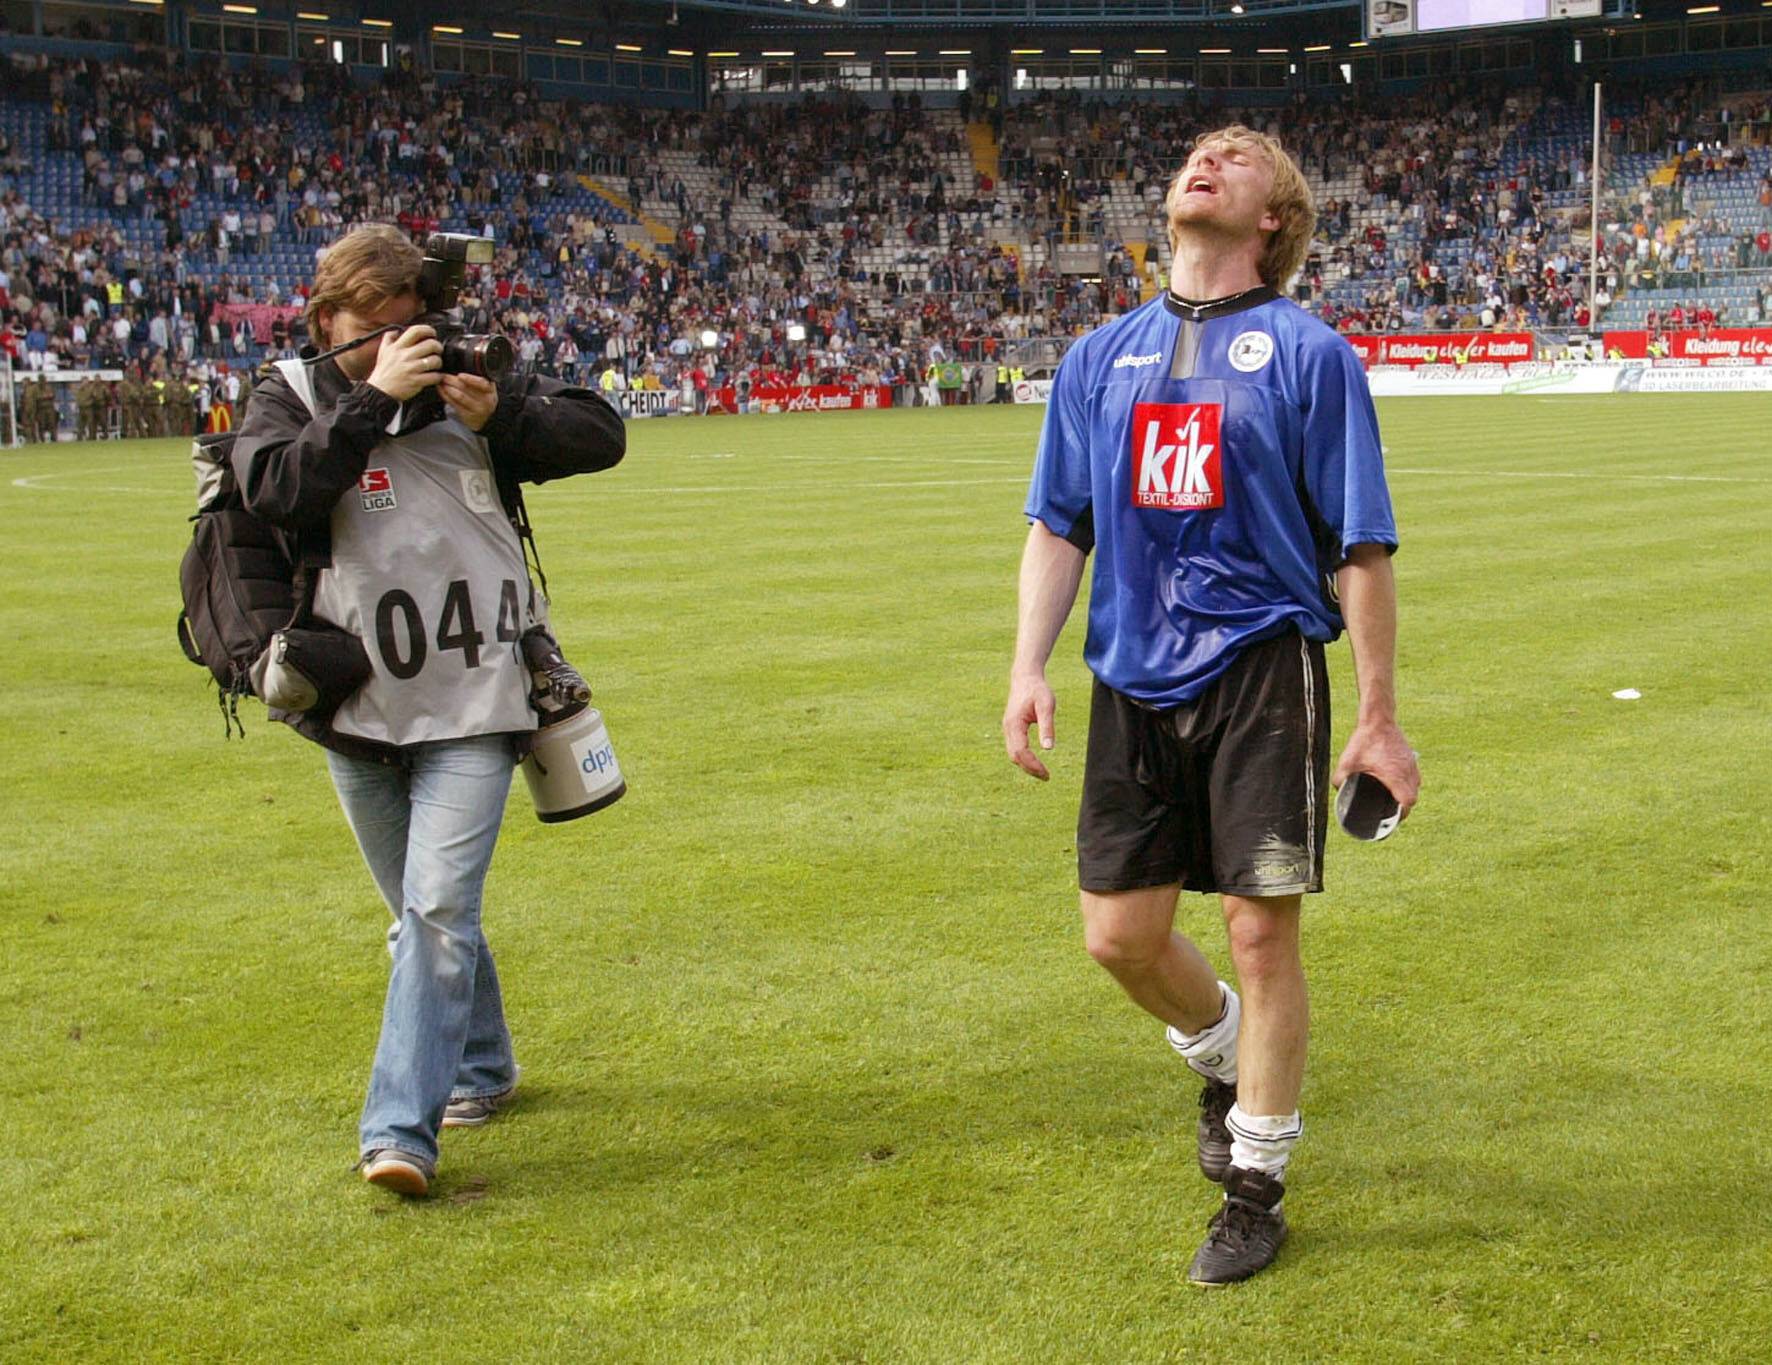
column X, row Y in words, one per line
column 1392, row 18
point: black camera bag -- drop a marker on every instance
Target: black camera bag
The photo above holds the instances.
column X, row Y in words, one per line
column 242, row 581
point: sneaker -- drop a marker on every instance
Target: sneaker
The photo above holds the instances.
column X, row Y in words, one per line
column 401, row 1172
column 1245, row 1234
column 471, row 1111
column 1213, row 1137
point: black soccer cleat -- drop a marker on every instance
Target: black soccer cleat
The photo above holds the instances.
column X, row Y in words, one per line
column 1213, row 1137
column 1245, row 1234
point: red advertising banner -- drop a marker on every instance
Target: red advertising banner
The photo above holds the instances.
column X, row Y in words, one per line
column 1444, row 348
column 797, row 398
column 1720, row 346
column 260, row 315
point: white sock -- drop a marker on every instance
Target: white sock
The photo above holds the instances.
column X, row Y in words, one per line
column 1263, row 1142
column 1213, row 1050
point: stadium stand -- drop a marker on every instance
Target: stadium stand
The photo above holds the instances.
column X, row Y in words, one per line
column 166, row 212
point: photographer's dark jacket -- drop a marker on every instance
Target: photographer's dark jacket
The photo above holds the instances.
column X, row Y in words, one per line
column 404, row 515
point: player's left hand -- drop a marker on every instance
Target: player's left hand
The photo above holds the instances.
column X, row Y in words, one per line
column 473, row 398
column 1380, row 748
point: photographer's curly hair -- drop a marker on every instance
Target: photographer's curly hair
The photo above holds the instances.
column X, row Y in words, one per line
column 1290, row 201
column 363, row 270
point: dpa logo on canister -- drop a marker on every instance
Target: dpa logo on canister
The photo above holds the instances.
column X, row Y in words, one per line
column 572, row 770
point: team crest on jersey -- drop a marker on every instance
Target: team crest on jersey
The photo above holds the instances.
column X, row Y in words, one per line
column 1176, row 451
column 376, row 488
column 476, row 490
column 1250, row 351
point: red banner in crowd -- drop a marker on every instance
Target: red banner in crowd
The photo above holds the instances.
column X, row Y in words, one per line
column 260, row 315
column 1444, row 348
column 813, row 398
column 1720, row 346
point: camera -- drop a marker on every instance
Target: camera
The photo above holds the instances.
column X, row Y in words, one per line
column 447, row 258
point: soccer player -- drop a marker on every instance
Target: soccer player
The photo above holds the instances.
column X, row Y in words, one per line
column 1217, row 449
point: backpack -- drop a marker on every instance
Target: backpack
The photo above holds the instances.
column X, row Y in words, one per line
column 248, row 604
column 237, row 579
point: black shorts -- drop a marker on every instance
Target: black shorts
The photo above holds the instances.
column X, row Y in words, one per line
column 1228, row 793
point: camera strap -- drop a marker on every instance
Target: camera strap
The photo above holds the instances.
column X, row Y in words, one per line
column 519, row 514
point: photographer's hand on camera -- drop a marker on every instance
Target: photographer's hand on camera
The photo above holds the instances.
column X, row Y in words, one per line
column 472, row 399
column 408, row 363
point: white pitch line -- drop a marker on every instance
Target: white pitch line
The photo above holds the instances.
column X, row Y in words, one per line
column 34, row 482
column 1555, row 474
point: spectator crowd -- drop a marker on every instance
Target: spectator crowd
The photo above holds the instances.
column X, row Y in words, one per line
column 821, row 242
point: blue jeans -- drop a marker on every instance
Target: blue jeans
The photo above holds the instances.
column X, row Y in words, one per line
column 427, row 832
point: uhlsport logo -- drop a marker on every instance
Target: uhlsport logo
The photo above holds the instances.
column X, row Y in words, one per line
column 1175, row 456
column 1250, row 351
column 1126, row 362
column 377, row 490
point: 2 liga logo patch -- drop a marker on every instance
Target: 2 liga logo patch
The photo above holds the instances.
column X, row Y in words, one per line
column 1176, row 452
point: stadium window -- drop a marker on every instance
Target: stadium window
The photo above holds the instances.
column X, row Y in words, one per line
column 1625, row 43
column 20, row 16
column 205, row 36
column 1439, row 61
column 595, row 71
column 446, row 57
column 836, row 76
column 1739, row 33
column 504, row 62
column 1154, row 73
column 101, row 23
column 1059, row 73
column 1661, row 41
column 735, row 79
column 1704, row 37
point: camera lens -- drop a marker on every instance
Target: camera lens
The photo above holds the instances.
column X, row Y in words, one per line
column 490, row 357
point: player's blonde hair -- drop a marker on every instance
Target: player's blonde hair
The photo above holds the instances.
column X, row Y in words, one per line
column 363, row 270
column 1289, row 200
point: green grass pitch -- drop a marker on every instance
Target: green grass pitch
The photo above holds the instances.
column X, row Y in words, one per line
column 815, row 1065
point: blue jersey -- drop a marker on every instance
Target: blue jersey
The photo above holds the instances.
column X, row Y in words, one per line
column 1221, row 461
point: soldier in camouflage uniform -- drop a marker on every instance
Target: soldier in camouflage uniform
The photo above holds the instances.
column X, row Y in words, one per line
column 41, row 416
column 86, row 409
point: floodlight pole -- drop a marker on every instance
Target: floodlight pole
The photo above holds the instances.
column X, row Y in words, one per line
column 1593, row 226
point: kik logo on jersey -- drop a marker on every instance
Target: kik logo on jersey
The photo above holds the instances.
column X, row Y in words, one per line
column 377, row 490
column 1175, row 456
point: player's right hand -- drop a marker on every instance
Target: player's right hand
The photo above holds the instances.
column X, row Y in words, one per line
column 409, row 361
column 1030, row 703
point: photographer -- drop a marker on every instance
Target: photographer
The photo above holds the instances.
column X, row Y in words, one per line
column 406, row 507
